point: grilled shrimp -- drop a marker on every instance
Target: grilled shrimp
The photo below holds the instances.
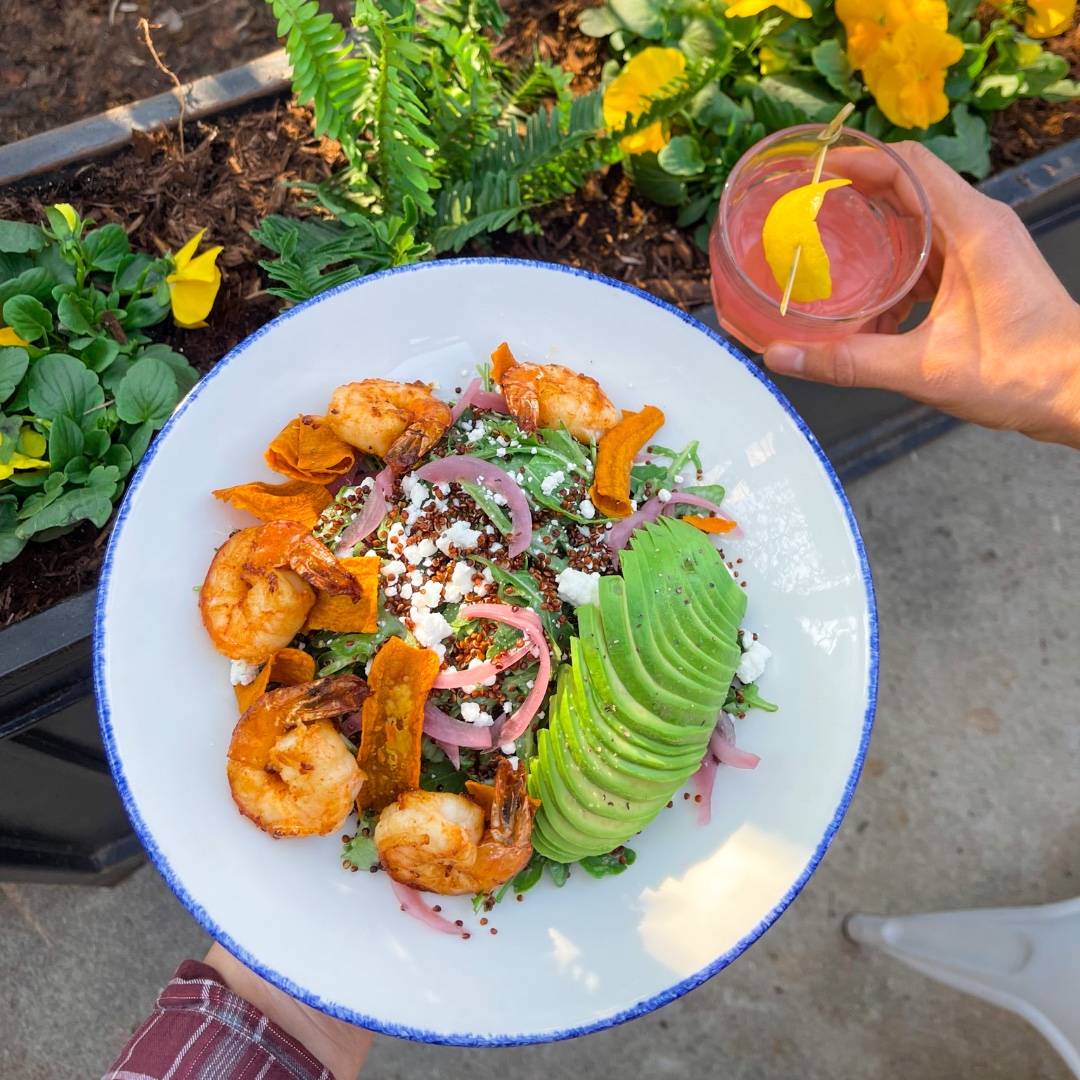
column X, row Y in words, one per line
column 289, row 770
column 398, row 422
column 543, row 395
column 251, row 604
column 437, row 841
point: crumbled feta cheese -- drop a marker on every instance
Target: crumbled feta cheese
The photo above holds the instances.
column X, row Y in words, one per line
column 664, row 495
column 406, row 591
column 443, row 489
column 422, row 550
column 500, row 451
column 508, row 748
column 460, row 534
column 367, row 483
column 478, row 432
column 395, row 537
column 587, row 510
column 498, row 499
column 419, row 493
column 679, row 479
column 393, row 568
column 416, row 578
column 390, row 590
column 471, row 713
column 430, row 596
column 429, row 627
column 515, row 761
column 577, row 587
column 495, row 547
column 487, row 575
column 242, row 673
column 460, row 583
column 552, row 481
column 755, row 656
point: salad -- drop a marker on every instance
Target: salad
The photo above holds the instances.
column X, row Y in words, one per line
column 501, row 633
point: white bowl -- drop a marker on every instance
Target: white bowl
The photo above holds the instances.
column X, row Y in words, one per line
column 567, row 961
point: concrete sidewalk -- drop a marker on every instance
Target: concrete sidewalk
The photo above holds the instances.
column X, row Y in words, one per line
column 971, row 797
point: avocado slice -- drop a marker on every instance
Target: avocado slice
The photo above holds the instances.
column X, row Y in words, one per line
column 632, row 662
column 608, row 687
column 665, row 637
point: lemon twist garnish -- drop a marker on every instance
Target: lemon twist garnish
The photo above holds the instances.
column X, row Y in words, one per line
column 790, row 231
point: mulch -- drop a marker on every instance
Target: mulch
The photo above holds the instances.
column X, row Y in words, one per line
column 237, row 169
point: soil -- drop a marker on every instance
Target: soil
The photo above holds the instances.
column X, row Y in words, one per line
column 236, row 170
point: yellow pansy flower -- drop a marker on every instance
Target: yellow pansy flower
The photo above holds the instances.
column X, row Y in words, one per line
column 9, row 337
column 194, row 285
column 870, row 22
column 1046, row 18
column 743, row 9
column 31, row 442
column 906, row 74
column 67, row 212
column 771, row 61
column 643, row 78
column 20, row 461
column 1027, row 52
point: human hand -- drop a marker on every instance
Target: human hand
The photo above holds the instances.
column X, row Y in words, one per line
column 1001, row 345
column 339, row 1046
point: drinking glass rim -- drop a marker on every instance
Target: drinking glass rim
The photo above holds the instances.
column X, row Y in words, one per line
column 875, row 309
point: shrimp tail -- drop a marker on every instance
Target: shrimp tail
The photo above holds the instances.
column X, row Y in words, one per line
column 290, row 543
column 422, row 432
column 511, row 811
column 522, row 397
column 325, row 698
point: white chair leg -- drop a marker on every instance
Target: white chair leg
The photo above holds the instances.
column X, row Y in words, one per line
column 1023, row 959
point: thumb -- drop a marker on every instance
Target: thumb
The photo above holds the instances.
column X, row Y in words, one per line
column 883, row 361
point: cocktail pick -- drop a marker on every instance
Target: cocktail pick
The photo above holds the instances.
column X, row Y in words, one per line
column 827, row 138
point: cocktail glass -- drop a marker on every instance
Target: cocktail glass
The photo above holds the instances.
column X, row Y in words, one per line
column 876, row 232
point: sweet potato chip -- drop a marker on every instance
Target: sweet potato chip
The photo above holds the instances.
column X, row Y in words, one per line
column 610, row 491
column 308, row 450
column 502, row 360
column 710, row 524
column 343, row 614
column 295, row 500
column 400, row 680
column 290, row 667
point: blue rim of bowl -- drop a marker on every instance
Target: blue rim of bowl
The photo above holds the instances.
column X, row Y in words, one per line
column 403, row 1031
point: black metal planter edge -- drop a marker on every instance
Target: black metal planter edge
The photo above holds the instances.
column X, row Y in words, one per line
column 61, row 819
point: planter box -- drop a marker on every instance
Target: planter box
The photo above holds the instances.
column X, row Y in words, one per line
column 60, row 816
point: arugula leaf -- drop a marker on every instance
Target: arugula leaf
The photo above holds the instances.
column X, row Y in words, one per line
column 14, row 360
column 360, row 851
column 751, row 699
column 560, row 872
column 532, row 873
column 614, row 862
column 490, row 507
column 148, row 393
column 335, row 653
column 713, row 492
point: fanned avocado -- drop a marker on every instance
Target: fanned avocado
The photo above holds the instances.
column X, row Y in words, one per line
column 632, row 717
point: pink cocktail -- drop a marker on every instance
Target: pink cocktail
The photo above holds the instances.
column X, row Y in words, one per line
column 876, row 232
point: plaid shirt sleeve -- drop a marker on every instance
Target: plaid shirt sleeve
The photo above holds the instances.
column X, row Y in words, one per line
column 200, row 1030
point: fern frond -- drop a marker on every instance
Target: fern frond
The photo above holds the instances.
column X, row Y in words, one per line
column 324, row 71
column 469, row 209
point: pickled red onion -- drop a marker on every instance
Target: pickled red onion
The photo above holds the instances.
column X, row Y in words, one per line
column 445, row 729
column 462, row 468
column 482, row 399
column 452, row 752
column 725, row 750
column 703, row 781
column 683, row 497
column 372, row 514
column 522, row 618
column 448, row 680
column 411, row 901
column 619, row 535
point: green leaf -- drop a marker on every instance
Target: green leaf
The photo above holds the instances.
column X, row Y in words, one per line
column 641, row 16
column 93, row 502
column 186, row 376
column 115, row 373
column 598, row 22
column 10, row 427
column 704, row 38
column 61, row 386
column 37, row 282
column 614, row 862
column 18, row 238
column 118, row 456
column 793, row 100
column 681, row 157
column 129, row 269
column 96, row 445
column 148, row 393
column 559, row 872
column 76, row 314
column 14, row 360
column 528, row 877
column 653, row 182
column 145, row 312
column 1065, row 90
column 139, row 440
column 100, row 353
column 360, row 851
column 995, row 92
column 77, row 470
column 10, row 544
column 830, row 59
column 969, row 149
column 105, row 247
column 713, row 492
column 27, row 317
column 65, row 442
column 60, row 224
